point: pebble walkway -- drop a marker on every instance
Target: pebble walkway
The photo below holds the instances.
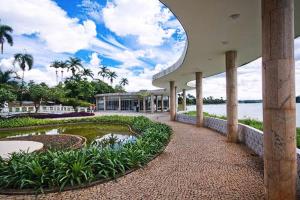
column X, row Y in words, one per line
column 198, row 163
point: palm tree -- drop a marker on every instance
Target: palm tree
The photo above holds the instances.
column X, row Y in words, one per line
column 24, row 61
column 112, row 75
column 104, row 72
column 5, row 35
column 87, row 73
column 74, row 64
column 63, row 65
column 124, row 81
column 5, row 76
column 56, row 65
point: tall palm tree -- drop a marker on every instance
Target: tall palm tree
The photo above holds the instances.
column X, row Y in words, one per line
column 104, row 72
column 56, row 65
column 112, row 75
column 124, row 81
column 63, row 65
column 5, row 31
column 24, row 61
column 87, row 73
column 74, row 64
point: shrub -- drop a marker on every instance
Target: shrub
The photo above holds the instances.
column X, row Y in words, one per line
column 58, row 169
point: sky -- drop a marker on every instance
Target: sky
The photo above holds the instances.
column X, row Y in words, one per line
column 134, row 38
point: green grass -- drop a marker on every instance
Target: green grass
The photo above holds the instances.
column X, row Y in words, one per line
column 250, row 122
column 58, row 169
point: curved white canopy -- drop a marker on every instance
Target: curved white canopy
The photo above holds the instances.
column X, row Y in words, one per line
column 214, row 27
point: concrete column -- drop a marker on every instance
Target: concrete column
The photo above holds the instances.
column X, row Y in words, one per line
column 176, row 100
column 152, row 103
column 162, row 103
column 231, row 96
column 97, row 99
column 199, row 99
column 119, row 103
column 104, row 103
column 184, row 99
column 279, row 116
column 172, row 101
column 144, row 104
column 156, row 105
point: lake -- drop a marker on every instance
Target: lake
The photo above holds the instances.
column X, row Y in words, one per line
column 245, row 110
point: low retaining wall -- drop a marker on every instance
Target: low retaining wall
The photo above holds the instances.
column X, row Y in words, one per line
column 250, row 136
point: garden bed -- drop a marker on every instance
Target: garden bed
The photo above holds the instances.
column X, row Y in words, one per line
column 56, row 170
column 58, row 142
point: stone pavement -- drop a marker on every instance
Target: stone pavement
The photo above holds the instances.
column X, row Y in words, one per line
column 197, row 164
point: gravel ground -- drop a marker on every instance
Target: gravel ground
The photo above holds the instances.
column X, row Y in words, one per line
column 197, row 164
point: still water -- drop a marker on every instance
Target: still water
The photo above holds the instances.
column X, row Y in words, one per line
column 245, row 110
column 89, row 130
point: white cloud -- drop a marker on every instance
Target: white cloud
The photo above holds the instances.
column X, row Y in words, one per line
column 49, row 22
column 141, row 18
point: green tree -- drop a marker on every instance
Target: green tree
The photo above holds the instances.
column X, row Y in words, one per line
column 112, row 75
column 6, row 95
column 38, row 93
column 24, row 61
column 63, row 65
column 56, row 65
column 5, row 35
column 74, row 64
column 6, row 76
column 87, row 73
column 103, row 72
column 124, row 81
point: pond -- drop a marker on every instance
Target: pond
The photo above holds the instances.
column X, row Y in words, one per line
column 90, row 131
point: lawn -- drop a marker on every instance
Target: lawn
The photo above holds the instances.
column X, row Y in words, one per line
column 250, row 122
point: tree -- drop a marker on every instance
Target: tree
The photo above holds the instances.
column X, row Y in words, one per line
column 5, row 35
column 56, row 64
column 103, row 72
column 6, row 76
column 74, row 64
column 24, row 61
column 63, row 65
column 87, row 73
column 38, row 93
column 119, row 88
column 124, row 81
column 6, row 95
column 112, row 75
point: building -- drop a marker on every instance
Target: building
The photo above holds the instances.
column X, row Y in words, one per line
column 142, row 101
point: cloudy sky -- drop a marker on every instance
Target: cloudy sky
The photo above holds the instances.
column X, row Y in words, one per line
column 135, row 38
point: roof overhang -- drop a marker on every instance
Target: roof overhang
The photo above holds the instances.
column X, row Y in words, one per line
column 214, row 27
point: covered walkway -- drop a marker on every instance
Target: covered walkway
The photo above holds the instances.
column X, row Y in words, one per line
column 197, row 164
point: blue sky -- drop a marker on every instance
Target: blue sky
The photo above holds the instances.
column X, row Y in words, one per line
column 135, row 38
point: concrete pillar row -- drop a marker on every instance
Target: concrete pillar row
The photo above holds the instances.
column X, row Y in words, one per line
column 231, row 96
column 279, row 116
column 172, row 101
column 176, row 100
column 184, row 99
column 156, row 105
column 199, row 99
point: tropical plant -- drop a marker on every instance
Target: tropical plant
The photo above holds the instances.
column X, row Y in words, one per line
column 63, row 65
column 112, row 75
column 6, row 95
column 24, row 61
column 55, row 168
column 5, row 35
column 87, row 73
column 103, row 72
column 56, row 64
column 124, row 81
column 74, row 64
column 6, row 76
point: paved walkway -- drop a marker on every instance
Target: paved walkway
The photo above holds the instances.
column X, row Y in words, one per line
column 197, row 164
